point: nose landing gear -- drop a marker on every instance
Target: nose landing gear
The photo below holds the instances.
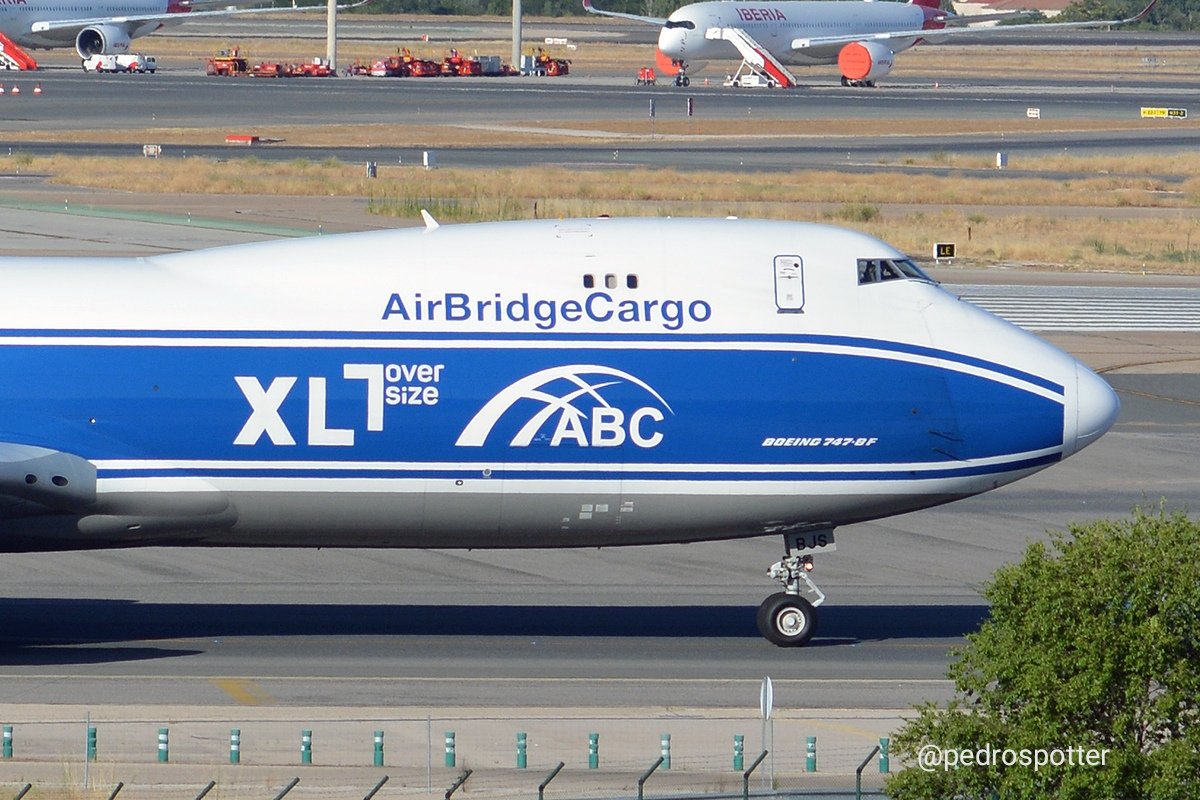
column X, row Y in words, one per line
column 786, row 618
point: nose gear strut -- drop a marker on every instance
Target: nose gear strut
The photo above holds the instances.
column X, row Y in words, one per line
column 786, row 618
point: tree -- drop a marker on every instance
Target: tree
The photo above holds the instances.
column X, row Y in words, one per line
column 1093, row 642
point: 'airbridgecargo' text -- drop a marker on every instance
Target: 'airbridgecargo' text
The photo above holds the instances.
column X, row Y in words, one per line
column 545, row 313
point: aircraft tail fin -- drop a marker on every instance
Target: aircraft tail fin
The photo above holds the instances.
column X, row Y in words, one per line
column 935, row 4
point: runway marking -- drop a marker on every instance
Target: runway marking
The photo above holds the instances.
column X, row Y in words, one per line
column 244, row 691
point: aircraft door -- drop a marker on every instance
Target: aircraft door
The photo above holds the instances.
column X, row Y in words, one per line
column 789, row 284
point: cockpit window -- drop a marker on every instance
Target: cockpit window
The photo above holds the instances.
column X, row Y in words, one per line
column 686, row 24
column 877, row 270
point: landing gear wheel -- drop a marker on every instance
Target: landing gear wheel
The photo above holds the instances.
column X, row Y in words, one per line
column 787, row 620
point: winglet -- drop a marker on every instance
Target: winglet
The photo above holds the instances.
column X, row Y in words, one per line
column 431, row 224
column 591, row 9
column 1145, row 12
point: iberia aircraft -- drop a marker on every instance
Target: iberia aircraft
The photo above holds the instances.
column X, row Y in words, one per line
column 642, row 381
column 860, row 36
column 103, row 26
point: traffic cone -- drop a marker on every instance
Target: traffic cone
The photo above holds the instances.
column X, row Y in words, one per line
column 37, row 89
column 1, row 88
column 16, row 90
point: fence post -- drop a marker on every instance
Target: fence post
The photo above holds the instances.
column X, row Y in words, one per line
column 379, row 748
column 291, row 785
column 305, row 747
column 810, row 759
column 645, row 776
column 461, row 780
column 522, row 750
column 858, row 772
column 666, row 751
column 235, row 745
column 374, row 791
column 739, row 752
column 164, row 752
column 450, row 758
column 885, row 762
column 542, row 786
column 746, row 775
column 593, row 751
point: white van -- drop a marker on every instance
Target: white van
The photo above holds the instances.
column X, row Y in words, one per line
column 122, row 62
column 137, row 62
column 101, row 63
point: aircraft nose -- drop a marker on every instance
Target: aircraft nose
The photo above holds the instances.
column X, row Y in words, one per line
column 1096, row 407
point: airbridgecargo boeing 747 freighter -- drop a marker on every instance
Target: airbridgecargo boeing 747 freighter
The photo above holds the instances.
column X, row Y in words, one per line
column 516, row 384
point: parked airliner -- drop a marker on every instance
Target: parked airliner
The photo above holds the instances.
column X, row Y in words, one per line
column 104, row 26
column 516, row 385
column 860, row 36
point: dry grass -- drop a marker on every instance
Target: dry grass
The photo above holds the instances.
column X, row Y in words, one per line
column 611, row 131
column 1096, row 186
column 1107, row 221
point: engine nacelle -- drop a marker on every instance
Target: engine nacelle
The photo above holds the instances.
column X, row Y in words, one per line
column 102, row 40
column 863, row 62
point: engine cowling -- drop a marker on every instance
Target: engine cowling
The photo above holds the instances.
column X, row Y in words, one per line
column 863, row 62
column 102, row 40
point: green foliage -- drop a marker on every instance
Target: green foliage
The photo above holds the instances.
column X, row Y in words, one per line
column 1093, row 641
column 1175, row 14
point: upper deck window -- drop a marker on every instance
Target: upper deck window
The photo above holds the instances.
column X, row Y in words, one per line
column 877, row 270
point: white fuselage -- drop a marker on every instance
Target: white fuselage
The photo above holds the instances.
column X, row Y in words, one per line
column 775, row 25
column 18, row 19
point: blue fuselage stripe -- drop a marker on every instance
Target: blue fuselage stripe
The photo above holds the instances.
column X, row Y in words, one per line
column 580, row 339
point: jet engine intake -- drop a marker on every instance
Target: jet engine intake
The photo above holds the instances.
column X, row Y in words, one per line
column 862, row 62
column 102, row 40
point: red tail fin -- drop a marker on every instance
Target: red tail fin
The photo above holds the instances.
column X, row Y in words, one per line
column 928, row 3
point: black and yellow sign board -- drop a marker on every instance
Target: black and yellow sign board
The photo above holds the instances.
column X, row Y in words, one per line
column 1163, row 113
column 943, row 250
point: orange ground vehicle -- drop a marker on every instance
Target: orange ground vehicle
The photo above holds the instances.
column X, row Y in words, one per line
column 268, row 70
column 227, row 65
column 543, row 64
column 646, row 77
column 317, row 68
column 389, row 67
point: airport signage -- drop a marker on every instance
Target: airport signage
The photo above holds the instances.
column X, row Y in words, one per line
column 1164, row 113
column 945, row 250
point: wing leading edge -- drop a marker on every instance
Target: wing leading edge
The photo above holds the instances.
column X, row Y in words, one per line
column 961, row 28
column 171, row 16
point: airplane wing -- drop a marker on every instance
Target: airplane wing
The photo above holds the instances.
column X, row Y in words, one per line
column 591, row 9
column 177, row 16
column 942, row 33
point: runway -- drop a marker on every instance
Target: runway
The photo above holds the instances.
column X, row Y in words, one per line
column 97, row 107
